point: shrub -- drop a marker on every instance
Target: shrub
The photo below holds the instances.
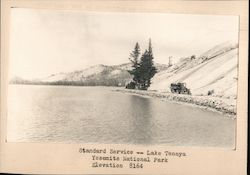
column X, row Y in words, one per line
column 130, row 85
column 210, row 92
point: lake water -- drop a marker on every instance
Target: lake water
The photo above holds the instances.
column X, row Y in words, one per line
column 62, row 114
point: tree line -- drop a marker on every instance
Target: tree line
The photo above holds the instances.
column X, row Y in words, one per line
column 143, row 69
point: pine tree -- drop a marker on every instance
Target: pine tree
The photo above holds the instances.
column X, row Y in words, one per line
column 143, row 70
column 134, row 58
column 146, row 68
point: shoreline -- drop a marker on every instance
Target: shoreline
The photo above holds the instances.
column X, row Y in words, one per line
column 210, row 103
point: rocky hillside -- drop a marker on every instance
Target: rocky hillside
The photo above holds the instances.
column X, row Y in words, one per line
column 214, row 71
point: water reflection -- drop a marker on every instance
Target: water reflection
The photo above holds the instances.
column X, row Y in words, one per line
column 141, row 125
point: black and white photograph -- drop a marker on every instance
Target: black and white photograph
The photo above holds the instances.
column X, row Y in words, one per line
column 122, row 78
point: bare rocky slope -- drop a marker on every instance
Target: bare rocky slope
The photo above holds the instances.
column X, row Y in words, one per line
column 215, row 70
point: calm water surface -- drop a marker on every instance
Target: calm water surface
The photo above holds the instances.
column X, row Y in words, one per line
column 100, row 115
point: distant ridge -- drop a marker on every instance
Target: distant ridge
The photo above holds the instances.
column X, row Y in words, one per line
column 98, row 75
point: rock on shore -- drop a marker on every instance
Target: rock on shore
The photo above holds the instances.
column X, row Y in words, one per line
column 223, row 105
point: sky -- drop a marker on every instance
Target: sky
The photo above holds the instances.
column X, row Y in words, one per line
column 45, row 42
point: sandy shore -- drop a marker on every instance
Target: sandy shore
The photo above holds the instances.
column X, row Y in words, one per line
column 222, row 105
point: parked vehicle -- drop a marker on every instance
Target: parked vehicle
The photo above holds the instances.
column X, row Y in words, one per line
column 179, row 88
